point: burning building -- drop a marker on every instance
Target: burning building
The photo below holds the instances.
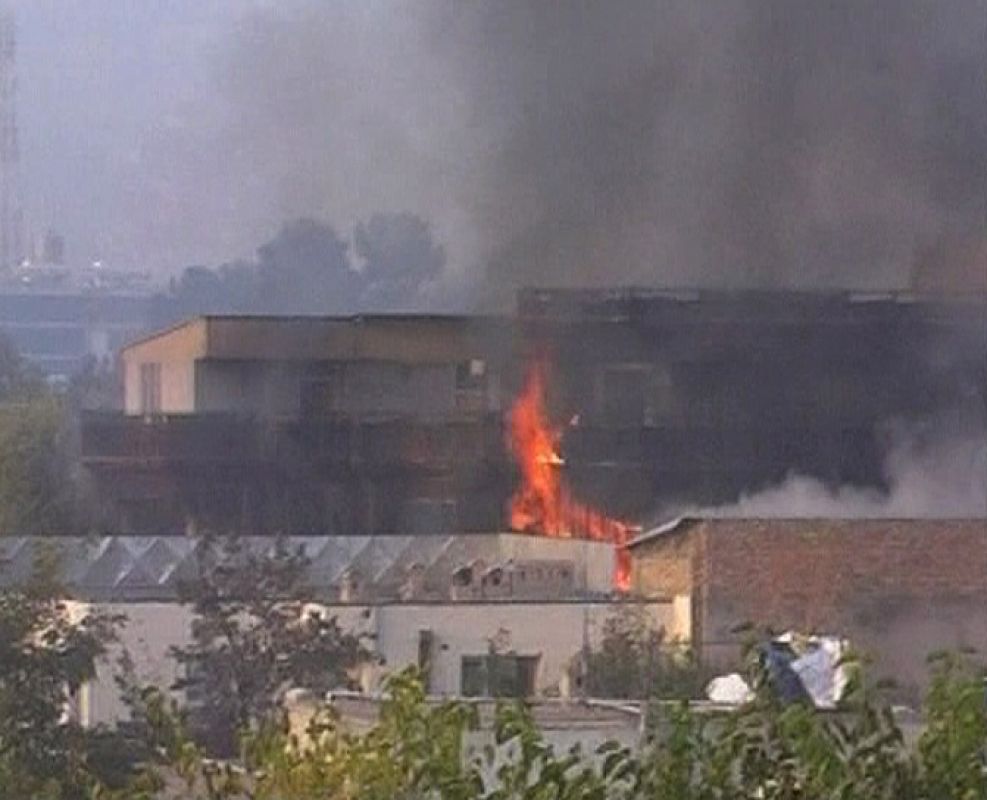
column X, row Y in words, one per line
column 582, row 414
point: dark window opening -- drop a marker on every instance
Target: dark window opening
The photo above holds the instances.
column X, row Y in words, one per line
column 498, row 676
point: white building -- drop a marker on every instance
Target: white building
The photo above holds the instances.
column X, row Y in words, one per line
column 484, row 614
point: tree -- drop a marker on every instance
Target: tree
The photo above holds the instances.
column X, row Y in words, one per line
column 19, row 380
column 399, row 257
column 253, row 638
column 305, row 269
column 632, row 660
column 46, row 654
column 764, row 751
column 229, row 289
column 35, row 490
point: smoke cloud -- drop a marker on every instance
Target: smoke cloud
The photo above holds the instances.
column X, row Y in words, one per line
column 932, row 470
column 761, row 143
column 739, row 143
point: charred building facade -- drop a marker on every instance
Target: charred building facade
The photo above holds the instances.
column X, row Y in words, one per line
column 395, row 424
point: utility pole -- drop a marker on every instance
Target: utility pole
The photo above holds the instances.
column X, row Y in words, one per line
column 10, row 211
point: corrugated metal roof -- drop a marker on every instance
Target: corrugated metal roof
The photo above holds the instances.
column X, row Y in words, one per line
column 135, row 568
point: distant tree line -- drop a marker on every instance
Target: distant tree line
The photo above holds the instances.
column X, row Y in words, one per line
column 309, row 268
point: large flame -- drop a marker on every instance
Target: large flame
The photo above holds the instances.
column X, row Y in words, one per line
column 543, row 503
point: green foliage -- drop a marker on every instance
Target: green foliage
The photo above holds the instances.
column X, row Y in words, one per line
column 632, row 660
column 253, row 638
column 46, row 653
column 34, row 488
column 19, row 381
column 765, row 751
column 953, row 748
column 420, row 750
column 35, row 494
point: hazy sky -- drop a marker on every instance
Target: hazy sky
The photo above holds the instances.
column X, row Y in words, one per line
column 747, row 141
column 104, row 86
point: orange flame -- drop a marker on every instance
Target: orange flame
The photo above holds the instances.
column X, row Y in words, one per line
column 543, row 502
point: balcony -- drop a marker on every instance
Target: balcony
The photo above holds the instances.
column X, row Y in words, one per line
column 108, row 438
column 335, row 443
column 393, row 443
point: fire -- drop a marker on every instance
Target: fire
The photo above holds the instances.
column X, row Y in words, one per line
column 543, row 503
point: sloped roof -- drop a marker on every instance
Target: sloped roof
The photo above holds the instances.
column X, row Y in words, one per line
column 136, row 568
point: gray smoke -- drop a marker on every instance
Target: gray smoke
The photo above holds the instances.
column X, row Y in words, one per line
column 743, row 142
column 762, row 143
column 932, row 470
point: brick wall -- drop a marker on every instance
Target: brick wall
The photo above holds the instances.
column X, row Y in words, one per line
column 898, row 589
column 666, row 565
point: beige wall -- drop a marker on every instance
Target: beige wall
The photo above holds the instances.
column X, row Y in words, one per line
column 176, row 351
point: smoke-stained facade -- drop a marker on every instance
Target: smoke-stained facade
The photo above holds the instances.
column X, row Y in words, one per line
column 396, row 424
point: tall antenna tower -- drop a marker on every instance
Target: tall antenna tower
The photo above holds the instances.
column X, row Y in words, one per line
column 10, row 211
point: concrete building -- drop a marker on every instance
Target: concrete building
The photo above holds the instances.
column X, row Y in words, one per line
column 498, row 614
column 899, row 590
column 60, row 317
column 258, row 424
column 379, row 424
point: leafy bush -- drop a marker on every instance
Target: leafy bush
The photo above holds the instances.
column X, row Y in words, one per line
column 765, row 751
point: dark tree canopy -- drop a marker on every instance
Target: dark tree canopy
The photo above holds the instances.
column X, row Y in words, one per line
column 19, row 380
column 400, row 259
column 46, row 654
column 36, row 492
column 253, row 638
column 307, row 268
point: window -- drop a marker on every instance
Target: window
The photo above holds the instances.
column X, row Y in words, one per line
column 150, row 387
column 471, row 385
column 320, row 392
column 473, row 678
column 426, row 645
column 496, row 675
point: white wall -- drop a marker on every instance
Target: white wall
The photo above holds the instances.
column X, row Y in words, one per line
column 150, row 631
column 553, row 631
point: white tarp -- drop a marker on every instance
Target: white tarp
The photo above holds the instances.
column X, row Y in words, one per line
column 817, row 662
column 820, row 669
column 729, row 690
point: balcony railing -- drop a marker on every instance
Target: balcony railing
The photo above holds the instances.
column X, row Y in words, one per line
column 110, row 437
column 330, row 442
